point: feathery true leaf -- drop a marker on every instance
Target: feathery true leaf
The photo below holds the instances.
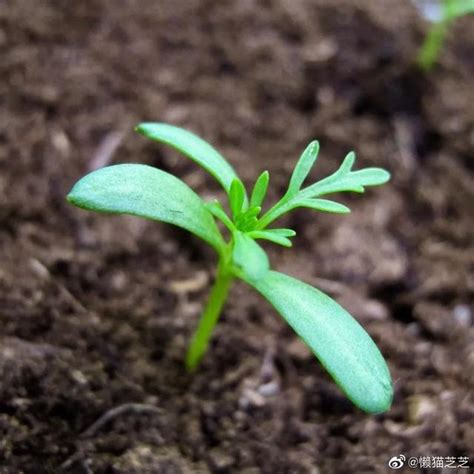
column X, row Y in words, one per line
column 271, row 236
column 303, row 167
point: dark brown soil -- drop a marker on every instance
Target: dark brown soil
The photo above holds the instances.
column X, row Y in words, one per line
column 95, row 312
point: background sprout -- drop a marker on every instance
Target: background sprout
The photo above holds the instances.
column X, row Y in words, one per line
column 449, row 11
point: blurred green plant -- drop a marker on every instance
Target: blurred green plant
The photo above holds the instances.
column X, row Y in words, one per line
column 337, row 339
column 431, row 47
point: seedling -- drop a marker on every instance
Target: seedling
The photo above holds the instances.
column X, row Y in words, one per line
column 337, row 340
column 431, row 47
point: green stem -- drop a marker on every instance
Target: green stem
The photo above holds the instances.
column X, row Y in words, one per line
column 212, row 311
column 430, row 49
column 280, row 208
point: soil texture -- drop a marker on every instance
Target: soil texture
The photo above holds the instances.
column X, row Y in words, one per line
column 96, row 312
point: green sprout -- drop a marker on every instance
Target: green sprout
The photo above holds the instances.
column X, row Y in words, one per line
column 333, row 335
column 431, row 47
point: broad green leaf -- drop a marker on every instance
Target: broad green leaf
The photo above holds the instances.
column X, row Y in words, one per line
column 303, row 167
column 336, row 338
column 237, row 197
column 193, row 147
column 260, row 189
column 271, row 236
column 323, row 205
column 249, row 259
column 147, row 192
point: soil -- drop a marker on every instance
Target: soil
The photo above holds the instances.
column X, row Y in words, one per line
column 95, row 312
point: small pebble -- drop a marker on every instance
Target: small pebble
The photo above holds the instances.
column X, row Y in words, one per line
column 463, row 315
column 269, row 389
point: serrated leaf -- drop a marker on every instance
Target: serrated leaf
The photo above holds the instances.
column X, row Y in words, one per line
column 148, row 192
column 237, row 197
column 271, row 236
column 260, row 189
column 193, row 147
column 249, row 259
column 303, row 167
column 334, row 336
column 323, row 205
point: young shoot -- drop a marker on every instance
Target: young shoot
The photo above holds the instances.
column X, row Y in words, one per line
column 431, row 47
column 332, row 334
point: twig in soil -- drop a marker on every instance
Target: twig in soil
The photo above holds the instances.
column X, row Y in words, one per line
column 134, row 408
column 85, row 467
column 105, row 151
column 42, row 271
column 268, row 364
column 76, row 458
column 404, row 131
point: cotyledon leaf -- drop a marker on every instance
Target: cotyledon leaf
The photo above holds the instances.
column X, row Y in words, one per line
column 193, row 147
column 335, row 337
column 249, row 259
column 147, row 192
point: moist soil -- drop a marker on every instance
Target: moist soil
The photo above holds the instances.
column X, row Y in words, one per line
column 96, row 312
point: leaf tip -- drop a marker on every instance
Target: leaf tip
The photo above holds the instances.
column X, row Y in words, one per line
column 381, row 401
column 75, row 196
column 150, row 129
column 313, row 147
column 348, row 162
column 142, row 128
column 385, row 176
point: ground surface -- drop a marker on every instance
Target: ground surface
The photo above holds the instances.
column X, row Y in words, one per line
column 95, row 312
